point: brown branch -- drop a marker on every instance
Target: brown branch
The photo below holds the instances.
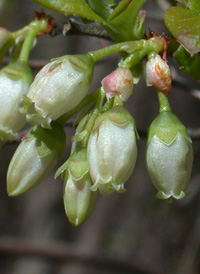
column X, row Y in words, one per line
column 74, row 27
column 61, row 251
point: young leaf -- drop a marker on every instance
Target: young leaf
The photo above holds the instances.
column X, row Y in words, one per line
column 73, row 7
column 184, row 24
column 184, row 2
column 121, row 27
column 194, row 5
column 188, row 64
column 119, row 8
column 101, row 7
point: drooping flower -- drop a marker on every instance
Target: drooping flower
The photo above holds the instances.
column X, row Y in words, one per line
column 15, row 80
column 112, row 150
column 169, row 156
column 58, row 88
column 78, row 198
column 35, row 158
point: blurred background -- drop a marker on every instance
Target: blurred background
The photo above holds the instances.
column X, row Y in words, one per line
column 127, row 233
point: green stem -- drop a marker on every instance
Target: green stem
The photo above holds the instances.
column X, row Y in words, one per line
column 90, row 124
column 118, row 101
column 108, row 105
column 163, row 102
column 33, row 29
column 145, row 46
column 20, row 32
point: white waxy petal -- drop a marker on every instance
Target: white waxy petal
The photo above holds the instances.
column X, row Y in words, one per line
column 11, row 92
column 169, row 166
column 58, row 88
column 112, row 153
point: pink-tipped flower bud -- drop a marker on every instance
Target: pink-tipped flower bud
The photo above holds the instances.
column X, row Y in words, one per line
column 158, row 74
column 118, row 83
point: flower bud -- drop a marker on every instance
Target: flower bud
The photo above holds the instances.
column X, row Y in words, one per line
column 79, row 200
column 58, row 88
column 118, row 83
column 169, row 156
column 112, row 150
column 15, row 80
column 35, row 158
column 158, row 74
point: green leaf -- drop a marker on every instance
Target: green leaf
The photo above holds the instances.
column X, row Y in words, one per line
column 74, row 7
column 184, row 24
column 194, row 5
column 101, row 7
column 187, row 63
column 119, row 8
column 127, row 25
column 184, row 2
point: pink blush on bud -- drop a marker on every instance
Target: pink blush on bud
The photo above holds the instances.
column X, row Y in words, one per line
column 118, row 82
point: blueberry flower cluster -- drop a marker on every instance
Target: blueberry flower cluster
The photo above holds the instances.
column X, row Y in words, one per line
column 104, row 147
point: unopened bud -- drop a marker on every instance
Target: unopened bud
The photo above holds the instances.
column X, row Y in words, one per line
column 35, row 158
column 158, row 74
column 118, row 83
column 79, row 200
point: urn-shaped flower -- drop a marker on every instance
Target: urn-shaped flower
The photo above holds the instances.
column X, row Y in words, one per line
column 15, row 80
column 112, row 150
column 78, row 198
column 35, row 158
column 58, row 88
column 169, row 156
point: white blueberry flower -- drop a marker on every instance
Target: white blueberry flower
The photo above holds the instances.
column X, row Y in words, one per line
column 15, row 80
column 169, row 156
column 112, row 150
column 58, row 88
